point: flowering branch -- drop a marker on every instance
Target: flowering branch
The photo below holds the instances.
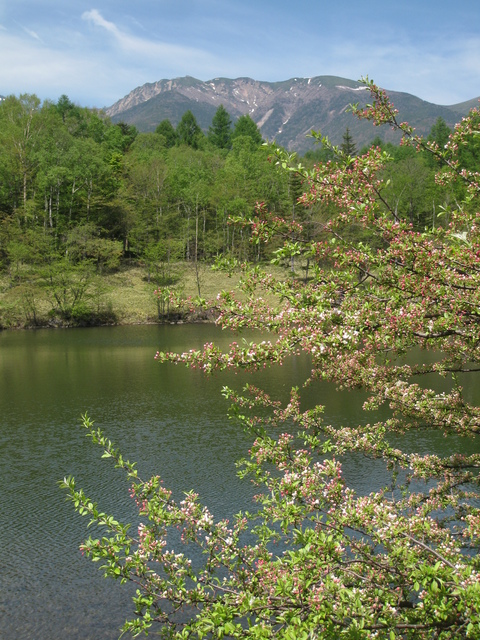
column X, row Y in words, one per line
column 401, row 562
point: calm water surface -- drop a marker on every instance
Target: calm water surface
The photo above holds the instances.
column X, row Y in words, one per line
column 170, row 420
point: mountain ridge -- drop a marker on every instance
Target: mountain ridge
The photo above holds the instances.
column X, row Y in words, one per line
column 286, row 111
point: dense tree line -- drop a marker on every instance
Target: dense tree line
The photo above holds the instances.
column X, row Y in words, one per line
column 72, row 183
column 78, row 193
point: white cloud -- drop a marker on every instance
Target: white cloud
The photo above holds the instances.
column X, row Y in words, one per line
column 32, row 34
column 38, row 69
column 444, row 74
column 96, row 18
column 149, row 49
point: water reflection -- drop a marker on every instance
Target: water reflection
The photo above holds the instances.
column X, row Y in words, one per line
column 170, row 420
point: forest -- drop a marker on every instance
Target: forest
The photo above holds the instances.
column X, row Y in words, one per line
column 82, row 198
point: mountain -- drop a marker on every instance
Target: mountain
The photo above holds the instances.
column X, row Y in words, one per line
column 285, row 111
column 462, row 108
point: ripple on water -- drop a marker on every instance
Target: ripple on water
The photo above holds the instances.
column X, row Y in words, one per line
column 170, row 420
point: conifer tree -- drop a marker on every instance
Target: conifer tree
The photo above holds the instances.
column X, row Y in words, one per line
column 348, row 145
column 440, row 132
column 165, row 128
column 188, row 130
column 245, row 126
column 220, row 131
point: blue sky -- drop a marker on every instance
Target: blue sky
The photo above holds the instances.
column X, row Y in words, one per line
column 99, row 51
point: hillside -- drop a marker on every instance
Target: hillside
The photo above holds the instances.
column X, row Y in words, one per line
column 285, row 111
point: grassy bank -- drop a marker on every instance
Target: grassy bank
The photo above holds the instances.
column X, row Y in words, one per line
column 123, row 297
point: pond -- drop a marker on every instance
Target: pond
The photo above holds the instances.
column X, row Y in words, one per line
column 170, row 420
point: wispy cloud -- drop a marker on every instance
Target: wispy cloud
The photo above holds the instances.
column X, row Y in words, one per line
column 143, row 47
column 97, row 19
column 36, row 68
column 32, row 34
column 438, row 74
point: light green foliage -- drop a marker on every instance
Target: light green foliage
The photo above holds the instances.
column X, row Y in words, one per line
column 21, row 123
column 68, row 286
column 412, row 191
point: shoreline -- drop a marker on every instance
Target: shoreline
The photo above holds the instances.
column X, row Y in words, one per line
column 124, row 297
column 117, row 299
column 195, row 317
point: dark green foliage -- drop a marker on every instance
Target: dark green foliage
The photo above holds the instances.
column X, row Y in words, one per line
column 377, row 142
column 220, row 131
column 348, row 145
column 245, row 126
column 166, row 129
column 188, row 131
column 296, row 186
column 440, row 132
column 129, row 133
column 118, row 138
column 64, row 106
column 319, row 154
column 470, row 151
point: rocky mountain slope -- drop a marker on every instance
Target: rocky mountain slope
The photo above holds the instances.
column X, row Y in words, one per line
column 285, row 111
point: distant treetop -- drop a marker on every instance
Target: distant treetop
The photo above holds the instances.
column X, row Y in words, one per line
column 245, row 126
column 220, row 131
